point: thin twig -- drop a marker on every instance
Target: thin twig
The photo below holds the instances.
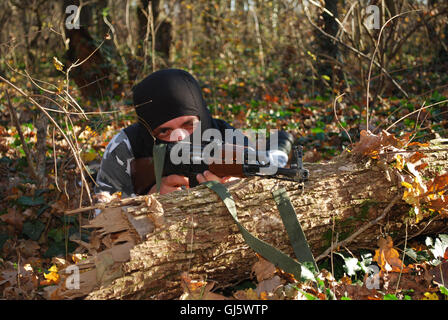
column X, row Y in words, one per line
column 336, row 116
column 373, row 59
column 69, row 142
column 361, row 54
column 415, row 111
column 402, row 259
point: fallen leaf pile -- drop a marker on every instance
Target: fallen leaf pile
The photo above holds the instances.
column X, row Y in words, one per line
column 394, row 279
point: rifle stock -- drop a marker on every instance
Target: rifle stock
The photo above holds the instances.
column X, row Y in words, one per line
column 143, row 173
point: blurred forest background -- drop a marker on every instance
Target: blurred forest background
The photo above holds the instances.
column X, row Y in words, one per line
column 321, row 69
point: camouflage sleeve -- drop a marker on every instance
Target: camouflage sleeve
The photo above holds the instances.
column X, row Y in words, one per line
column 115, row 170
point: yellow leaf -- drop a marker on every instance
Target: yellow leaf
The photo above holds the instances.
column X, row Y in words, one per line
column 88, row 156
column 53, row 268
column 58, row 64
column 407, row 185
column 311, row 55
column 430, row 296
column 263, row 295
column 52, row 277
column 400, row 162
column 251, row 294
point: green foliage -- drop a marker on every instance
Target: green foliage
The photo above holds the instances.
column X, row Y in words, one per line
column 30, row 201
column 443, row 290
column 33, row 229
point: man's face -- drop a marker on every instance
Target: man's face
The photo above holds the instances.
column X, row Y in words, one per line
column 176, row 129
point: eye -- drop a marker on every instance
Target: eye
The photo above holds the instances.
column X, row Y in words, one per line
column 164, row 132
column 190, row 125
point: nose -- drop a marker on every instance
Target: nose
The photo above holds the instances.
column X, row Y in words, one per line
column 179, row 135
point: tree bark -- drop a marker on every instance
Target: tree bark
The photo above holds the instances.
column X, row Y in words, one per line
column 192, row 231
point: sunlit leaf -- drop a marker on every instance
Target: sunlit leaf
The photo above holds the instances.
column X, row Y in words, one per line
column 430, row 296
column 58, row 64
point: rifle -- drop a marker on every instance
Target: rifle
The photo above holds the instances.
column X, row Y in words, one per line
column 229, row 160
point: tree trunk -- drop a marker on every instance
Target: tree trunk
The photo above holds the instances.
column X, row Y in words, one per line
column 327, row 47
column 93, row 76
column 163, row 34
column 192, row 231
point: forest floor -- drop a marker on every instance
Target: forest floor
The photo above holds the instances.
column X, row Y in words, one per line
column 36, row 237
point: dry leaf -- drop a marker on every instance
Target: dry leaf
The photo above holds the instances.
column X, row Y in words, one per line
column 416, row 157
column 268, row 286
column 440, row 205
column 248, row 294
column 418, row 144
column 438, row 184
column 263, row 269
column 13, row 218
column 388, row 258
column 198, row 290
column 400, row 162
column 374, row 145
column 421, row 166
column 413, row 195
column 28, row 248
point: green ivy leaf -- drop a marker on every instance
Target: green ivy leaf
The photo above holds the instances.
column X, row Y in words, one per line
column 390, row 297
column 33, row 229
column 56, row 234
column 443, row 290
column 317, row 130
column 29, row 201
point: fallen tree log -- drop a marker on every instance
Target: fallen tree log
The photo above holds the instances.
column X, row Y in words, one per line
column 142, row 245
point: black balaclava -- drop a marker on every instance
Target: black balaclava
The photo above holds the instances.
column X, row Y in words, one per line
column 168, row 94
column 160, row 97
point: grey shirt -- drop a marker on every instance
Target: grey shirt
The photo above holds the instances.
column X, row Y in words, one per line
column 115, row 170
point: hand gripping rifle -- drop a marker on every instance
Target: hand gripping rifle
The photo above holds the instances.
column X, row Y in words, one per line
column 149, row 171
column 219, row 158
